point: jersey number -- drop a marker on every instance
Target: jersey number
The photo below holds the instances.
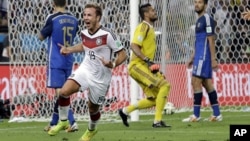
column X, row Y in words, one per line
column 67, row 35
column 91, row 55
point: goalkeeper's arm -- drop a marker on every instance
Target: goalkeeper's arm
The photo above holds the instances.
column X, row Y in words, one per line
column 137, row 51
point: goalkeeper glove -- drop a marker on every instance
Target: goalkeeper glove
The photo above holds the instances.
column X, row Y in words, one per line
column 152, row 66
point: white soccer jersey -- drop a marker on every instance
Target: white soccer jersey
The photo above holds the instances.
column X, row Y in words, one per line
column 102, row 44
column 92, row 74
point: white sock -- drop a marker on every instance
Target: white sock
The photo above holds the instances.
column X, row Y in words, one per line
column 124, row 111
column 63, row 112
column 92, row 125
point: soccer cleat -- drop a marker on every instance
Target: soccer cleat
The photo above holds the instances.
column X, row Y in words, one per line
column 48, row 127
column 160, row 124
column 88, row 135
column 72, row 128
column 60, row 126
column 215, row 118
column 124, row 117
column 191, row 118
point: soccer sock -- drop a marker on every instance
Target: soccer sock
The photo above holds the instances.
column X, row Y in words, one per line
column 93, row 120
column 71, row 117
column 64, row 103
column 161, row 101
column 197, row 103
column 214, row 103
column 55, row 116
column 142, row 104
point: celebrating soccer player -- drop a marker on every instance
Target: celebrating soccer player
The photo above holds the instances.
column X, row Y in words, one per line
column 94, row 73
column 204, row 62
column 143, row 70
column 60, row 27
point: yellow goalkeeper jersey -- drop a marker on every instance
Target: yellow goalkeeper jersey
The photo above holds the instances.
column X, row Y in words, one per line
column 144, row 36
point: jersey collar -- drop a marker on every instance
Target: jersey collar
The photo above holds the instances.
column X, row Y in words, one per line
column 147, row 23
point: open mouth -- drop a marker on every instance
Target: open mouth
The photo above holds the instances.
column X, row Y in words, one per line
column 87, row 24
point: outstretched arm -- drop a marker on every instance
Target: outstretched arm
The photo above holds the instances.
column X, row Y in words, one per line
column 67, row 50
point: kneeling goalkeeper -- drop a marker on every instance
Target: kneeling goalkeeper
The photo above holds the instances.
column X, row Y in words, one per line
column 144, row 71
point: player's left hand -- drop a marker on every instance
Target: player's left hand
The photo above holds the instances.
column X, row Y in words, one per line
column 154, row 68
column 106, row 63
column 215, row 66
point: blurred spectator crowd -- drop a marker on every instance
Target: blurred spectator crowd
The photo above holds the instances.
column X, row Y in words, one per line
column 232, row 31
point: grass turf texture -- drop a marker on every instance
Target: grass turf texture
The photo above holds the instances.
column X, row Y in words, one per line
column 138, row 131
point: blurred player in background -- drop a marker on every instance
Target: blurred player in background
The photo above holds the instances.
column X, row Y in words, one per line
column 94, row 73
column 144, row 71
column 204, row 62
column 246, row 14
column 60, row 27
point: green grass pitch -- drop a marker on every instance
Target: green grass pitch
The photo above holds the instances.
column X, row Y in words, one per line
column 138, row 131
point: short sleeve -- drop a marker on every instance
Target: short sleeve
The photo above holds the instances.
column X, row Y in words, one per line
column 47, row 28
column 114, row 43
column 140, row 34
column 210, row 25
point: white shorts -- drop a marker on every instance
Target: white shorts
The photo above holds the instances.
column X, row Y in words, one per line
column 97, row 87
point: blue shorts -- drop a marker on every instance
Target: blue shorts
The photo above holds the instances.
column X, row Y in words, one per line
column 57, row 77
column 202, row 68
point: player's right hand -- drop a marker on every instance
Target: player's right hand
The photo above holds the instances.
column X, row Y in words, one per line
column 63, row 50
column 246, row 14
column 190, row 63
column 152, row 66
column 215, row 66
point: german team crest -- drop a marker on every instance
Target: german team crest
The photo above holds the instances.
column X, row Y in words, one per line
column 98, row 41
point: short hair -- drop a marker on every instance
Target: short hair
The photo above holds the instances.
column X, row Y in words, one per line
column 60, row 3
column 205, row 1
column 144, row 8
column 97, row 8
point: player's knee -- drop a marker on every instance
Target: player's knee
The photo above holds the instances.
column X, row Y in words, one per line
column 64, row 92
column 165, row 88
column 166, row 85
column 93, row 108
column 196, row 85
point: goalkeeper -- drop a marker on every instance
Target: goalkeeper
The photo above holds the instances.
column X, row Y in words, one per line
column 144, row 71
